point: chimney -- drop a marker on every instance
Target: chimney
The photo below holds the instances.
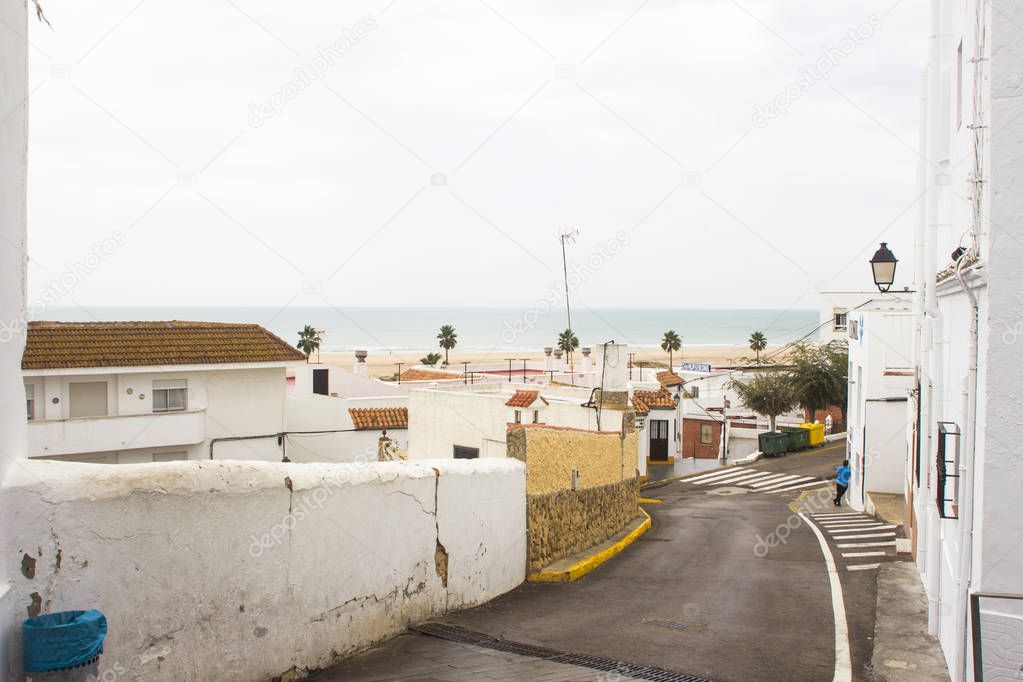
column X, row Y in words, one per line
column 547, row 362
column 587, row 360
column 360, row 367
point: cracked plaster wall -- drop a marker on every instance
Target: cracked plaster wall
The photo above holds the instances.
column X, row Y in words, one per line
column 252, row 570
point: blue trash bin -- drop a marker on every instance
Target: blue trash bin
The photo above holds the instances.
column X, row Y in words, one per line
column 63, row 640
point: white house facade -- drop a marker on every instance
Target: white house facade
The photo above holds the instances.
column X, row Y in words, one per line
column 964, row 477
column 881, row 382
column 137, row 392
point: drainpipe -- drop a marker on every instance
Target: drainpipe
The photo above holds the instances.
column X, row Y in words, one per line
column 966, row 468
column 937, row 151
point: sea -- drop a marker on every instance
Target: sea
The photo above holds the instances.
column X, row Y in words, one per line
column 480, row 329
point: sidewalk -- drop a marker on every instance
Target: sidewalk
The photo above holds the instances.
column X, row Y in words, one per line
column 903, row 651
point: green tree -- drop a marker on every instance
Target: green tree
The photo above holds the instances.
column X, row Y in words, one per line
column 767, row 393
column 568, row 342
column 757, row 343
column 669, row 344
column 309, row 340
column 447, row 339
column 430, row 359
column 820, row 376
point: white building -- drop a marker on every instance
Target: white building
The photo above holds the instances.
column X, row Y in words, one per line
column 837, row 307
column 965, row 477
column 133, row 392
column 881, row 381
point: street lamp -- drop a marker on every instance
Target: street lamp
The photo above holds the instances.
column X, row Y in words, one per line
column 883, row 264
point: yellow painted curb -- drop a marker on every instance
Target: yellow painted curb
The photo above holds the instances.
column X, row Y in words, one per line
column 670, row 460
column 584, row 566
column 647, row 500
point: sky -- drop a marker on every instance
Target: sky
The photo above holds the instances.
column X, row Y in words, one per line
column 710, row 154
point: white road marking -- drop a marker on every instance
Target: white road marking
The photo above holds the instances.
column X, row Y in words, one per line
column 848, row 522
column 800, row 486
column 859, row 529
column 776, row 478
column 843, row 658
column 715, row 474
column 725, row 477
column 866, row 536
column 827, row 516
column 849, row 555
column 851, row 545
column 862, row 567
column 794, row 479
column 739, row 480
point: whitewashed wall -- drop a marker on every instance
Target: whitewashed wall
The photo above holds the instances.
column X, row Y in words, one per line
column 311, row 412
column 246, row 570
column 13, row 151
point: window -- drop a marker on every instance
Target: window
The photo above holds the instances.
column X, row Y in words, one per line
column 841, row 319
column 30, row 400
column 518, row 416
column 462, row 452
column 706, row 434
column 948, row 470
column 170, row 395
column 88, row 399
column 693, row 391
column 536, row 416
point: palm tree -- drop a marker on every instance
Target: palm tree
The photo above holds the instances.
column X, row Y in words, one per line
column 309, row 340
column 448, row 339
column 669, row 344
column 757, row 343
column 568, row 342
column 768, row 393
column 430, row 359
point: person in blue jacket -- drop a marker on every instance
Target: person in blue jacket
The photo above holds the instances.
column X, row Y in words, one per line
column 842, row 481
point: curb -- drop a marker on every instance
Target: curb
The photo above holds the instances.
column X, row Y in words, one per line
column 584, row 566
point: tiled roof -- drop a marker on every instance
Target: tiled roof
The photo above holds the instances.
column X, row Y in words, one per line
column 379, row 417
column 656, row 400
column 639, row 405
column 667, row 379
column 57, row 345
column 429, row 375
column 525, row 399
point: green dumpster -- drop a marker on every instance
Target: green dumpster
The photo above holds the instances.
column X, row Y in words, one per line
column 799, row 439
column 773, row 443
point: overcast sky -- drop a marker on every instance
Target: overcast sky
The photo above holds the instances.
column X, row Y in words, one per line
column 439, row 147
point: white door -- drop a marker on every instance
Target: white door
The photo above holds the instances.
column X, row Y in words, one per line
column 88, row 399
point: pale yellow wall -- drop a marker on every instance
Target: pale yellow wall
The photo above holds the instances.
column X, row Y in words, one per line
column 552, row 453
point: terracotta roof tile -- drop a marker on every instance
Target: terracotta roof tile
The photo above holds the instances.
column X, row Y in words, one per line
column 379, row 417
column 58, row 345
column 656, row 400
column 525, row 399
column 639, row 405
column 668, row 379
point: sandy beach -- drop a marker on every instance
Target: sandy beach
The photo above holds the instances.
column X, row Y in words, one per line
column 381, row 365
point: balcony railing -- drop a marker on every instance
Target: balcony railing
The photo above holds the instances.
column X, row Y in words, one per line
column 48, row 438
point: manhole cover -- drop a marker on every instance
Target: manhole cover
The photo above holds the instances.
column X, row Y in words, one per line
column 670, row 624
column 730, row 490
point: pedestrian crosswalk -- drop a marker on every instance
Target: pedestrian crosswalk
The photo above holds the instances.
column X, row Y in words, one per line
column 862, row 540
column 756, row 480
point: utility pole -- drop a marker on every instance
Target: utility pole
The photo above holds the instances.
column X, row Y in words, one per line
column 567, row 235
column 399, row 370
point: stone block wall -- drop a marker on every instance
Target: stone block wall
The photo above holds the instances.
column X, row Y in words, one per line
column 562, row 523
column 566, row 514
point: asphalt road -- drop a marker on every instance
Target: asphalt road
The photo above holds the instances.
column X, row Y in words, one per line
column 702, row 593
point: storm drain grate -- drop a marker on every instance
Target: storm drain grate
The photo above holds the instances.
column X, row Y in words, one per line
column 670, row 624
column 453, row 633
